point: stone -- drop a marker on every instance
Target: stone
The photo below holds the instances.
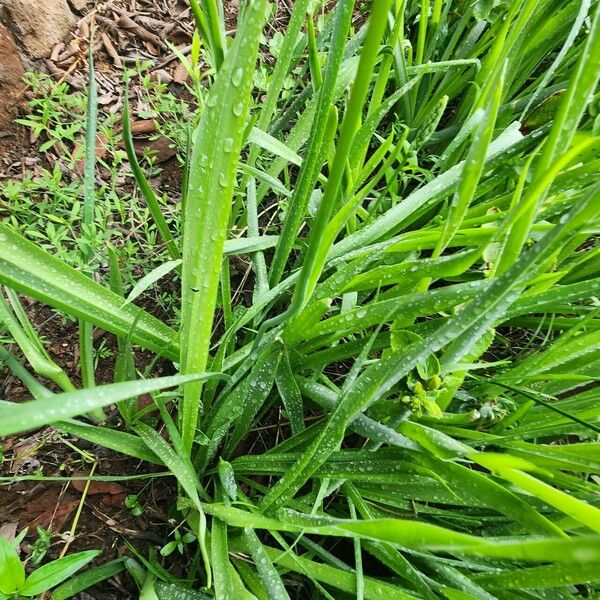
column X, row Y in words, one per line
column 11, row 84
column 78, row 5
column 37, row 30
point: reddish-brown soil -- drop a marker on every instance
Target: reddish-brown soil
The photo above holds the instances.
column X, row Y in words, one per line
column 11, row 97
column 105, row 523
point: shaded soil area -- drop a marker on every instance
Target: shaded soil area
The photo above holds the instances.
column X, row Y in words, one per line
column 104, row 522
column 28, row 500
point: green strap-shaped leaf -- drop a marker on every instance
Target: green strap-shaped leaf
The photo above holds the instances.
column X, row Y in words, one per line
column 219, row 555
column 290, row 393
column 86, row 330
column 89, row 578
column 407, row 271
column 421, row 535
column 584, row 79
column 12, row 571
column 31, row 270
column 89, row 176
column 146, row 189
column 30, row 343
column 507, row 467
column 182, row 469
column 320, row 238
column 274, row 146
column 119, row 441
column 311, row 164
column 423, row 196
column 473, row 168
column 548, row 576
column 172, row 591
column 267, row 572
column 29, row 415
column 55, row 572
column 150, row 279
column 213, row 167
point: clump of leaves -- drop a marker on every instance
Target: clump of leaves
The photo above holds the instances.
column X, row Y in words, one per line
column 352, row 424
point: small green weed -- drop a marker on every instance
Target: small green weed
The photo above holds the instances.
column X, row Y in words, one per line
column 15, row 584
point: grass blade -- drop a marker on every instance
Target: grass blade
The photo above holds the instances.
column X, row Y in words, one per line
column 30, row 415
column 211, row 182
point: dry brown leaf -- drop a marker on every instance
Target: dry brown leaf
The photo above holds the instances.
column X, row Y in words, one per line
column 112, row 52
column 161, row 148
column 143, row 126
column 8, row 531
column 24, row 450
column 180, row 74
column 24, row 455
column 114, row 499
column 97, row 487
column 55, row 517
column 129, row 24
column 162, row 76
column 56, row 51
column 105, row 99
column 101, row 151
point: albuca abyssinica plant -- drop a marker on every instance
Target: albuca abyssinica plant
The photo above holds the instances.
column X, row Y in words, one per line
column 407, row 405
